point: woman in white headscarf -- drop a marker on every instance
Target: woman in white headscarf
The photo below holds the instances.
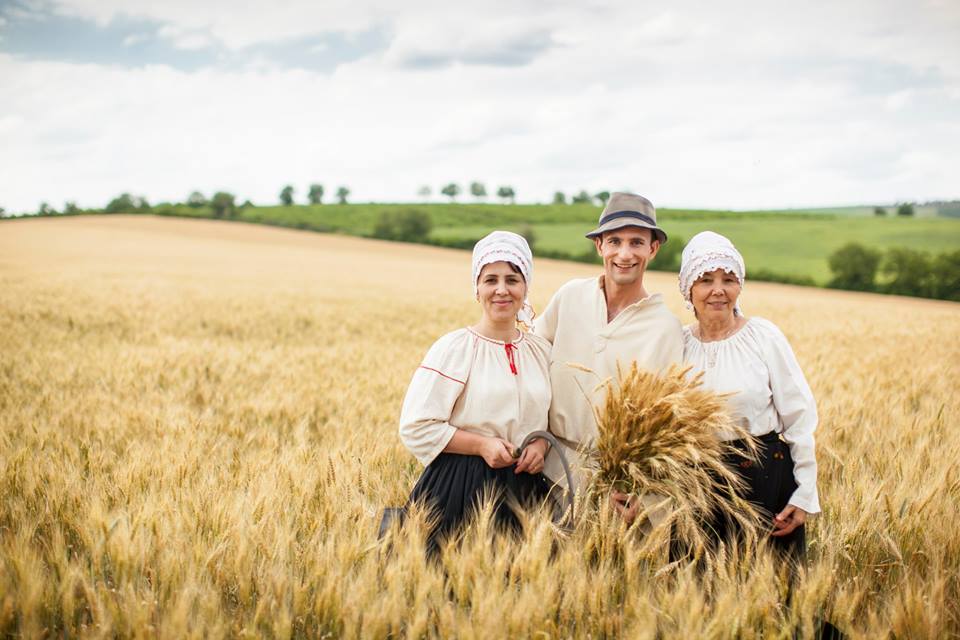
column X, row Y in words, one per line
column 478, row 393
column 751, row 359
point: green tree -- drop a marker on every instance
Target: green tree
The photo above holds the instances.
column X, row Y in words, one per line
column 223, row 205
column 3, row 212
column 602, row 196
column 506, row 192
column 879, row 211
column 905, row 209
column 407, row 225
column 529, row 235
column 946, row 276
column 478, row 190
column 582, row 198
column 315, row 195
column 46, row 210
column 908, row 272
column 668, row 256
column 196, row 200
column 342, row 193
column 126, row 203
column 451, row 190
column 70, row 208
column 854, row 267
column 286, row 195
column 559, row 198
column 424, row 191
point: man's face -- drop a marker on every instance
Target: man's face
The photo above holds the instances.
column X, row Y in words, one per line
column 626, row 252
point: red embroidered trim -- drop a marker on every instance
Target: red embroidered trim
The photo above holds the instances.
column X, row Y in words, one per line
column 510, row 349
column 442, row 374
column 515, row 342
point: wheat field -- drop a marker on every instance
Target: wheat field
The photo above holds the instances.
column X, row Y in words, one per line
column 198, row 433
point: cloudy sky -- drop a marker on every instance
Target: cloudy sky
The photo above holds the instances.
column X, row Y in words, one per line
column 709, row 104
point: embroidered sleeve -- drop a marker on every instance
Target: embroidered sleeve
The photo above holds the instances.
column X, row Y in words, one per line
column 437, row 383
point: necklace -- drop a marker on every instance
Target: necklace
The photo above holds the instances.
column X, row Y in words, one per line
column 713, row 347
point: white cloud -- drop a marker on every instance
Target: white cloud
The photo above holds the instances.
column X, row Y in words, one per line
column 704, row 105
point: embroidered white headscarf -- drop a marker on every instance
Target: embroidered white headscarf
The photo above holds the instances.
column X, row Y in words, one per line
column 506, row 246
column 708, row 251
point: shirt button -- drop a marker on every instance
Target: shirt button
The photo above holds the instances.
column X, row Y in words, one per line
column 599, row 345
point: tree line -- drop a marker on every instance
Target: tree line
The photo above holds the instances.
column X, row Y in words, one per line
column 898, row 271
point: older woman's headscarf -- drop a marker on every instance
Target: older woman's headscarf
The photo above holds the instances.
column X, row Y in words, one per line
column 505, row 246
column 708, row 251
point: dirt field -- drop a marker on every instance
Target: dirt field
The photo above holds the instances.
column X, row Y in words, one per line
column 198, row 430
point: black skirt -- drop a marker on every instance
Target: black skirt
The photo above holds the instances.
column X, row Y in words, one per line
column 769, row 484
column 453, row 486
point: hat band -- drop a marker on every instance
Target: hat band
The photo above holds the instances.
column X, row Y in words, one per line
column 627, row 214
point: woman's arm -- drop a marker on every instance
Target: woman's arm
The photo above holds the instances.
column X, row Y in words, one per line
column 497, row 453
column 797, row 411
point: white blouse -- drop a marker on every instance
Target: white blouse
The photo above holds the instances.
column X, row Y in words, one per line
column 484, row 386
column 770, row 393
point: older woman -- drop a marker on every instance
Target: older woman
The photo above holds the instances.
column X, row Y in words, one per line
column 478, row 393
column 751, row 358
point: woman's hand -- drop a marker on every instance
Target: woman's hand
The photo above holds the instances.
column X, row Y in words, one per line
column 787, row 520
column 496, row 453
column 531, row 460
column 626, row 505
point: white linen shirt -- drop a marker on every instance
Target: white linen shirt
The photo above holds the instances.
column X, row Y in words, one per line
column 758, row 366
column 466, row 382
column 575, row 323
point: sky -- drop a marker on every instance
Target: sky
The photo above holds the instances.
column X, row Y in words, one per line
column 706, row 104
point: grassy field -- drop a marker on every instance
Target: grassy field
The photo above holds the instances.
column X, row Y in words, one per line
column 788, row 245
column 792, row 243
column 198, row 431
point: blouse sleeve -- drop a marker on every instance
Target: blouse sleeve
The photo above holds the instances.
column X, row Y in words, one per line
column 437, row 383
column 798, row 416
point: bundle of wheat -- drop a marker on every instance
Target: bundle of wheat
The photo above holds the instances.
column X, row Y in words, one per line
column 661, row 435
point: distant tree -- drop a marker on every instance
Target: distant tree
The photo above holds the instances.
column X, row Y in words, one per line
column 223, row 205
column 286, row 195
column 126, row 203
column 854, row 267
column 3, row 212
column 46, row 210
column 315, row 195
column 529, row 235
column 582, row 198
column 478, row 190
column 879, row 211
column 196, row 200
column 424, row 191
column 342, row 193
column 946, row 276
column 559, row 198
column 506, row 192
column 451, row 190
column 905, row 209
column 246, row 205
column 70, row 208
column 602, row 196
column 668, row 256
column 407, row 225
column 909, row 272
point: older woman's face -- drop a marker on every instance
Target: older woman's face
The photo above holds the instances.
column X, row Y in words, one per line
column 715, row 294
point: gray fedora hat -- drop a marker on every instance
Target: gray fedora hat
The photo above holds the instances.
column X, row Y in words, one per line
column 628, row 210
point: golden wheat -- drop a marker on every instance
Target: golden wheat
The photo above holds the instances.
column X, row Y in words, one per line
column 198, row 431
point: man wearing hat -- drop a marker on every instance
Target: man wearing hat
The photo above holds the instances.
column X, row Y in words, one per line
column 599, row 322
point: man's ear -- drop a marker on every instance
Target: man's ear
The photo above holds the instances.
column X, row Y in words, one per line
column 654, row 248
column 598, row 241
